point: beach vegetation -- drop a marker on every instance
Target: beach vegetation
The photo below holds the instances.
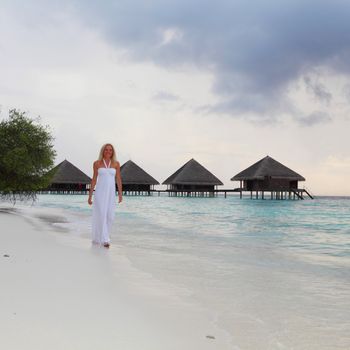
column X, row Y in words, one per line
column 26, row 156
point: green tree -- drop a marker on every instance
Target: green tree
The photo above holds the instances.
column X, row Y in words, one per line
column 26, row 156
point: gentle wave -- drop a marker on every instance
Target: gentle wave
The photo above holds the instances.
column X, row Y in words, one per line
column 274, row 274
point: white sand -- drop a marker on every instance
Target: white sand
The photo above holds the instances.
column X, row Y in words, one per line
column 58, row 292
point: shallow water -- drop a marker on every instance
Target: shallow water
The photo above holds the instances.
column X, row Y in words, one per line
column 273, row 274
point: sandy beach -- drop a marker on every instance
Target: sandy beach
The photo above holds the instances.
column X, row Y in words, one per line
column 59, row 292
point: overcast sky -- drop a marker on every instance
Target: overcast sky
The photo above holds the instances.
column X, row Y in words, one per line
column 225, row 82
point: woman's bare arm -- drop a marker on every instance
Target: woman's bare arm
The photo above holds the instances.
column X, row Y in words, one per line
column 93, row 182
column 119, row 182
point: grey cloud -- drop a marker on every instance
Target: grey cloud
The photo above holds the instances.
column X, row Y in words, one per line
column 242, row 105
column 254, row 49
column 164, row 96
column 317, row 89
column 346, row 91
column 316, row 117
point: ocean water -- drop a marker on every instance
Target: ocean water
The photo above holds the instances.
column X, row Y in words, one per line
column 272, row 274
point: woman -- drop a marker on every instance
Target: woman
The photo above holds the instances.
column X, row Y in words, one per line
column 106, row 172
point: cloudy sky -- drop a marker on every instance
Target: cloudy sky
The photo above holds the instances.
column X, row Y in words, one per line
column 226, row 82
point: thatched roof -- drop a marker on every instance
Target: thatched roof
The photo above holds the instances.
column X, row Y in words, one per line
column 192, row 173
column 267, row 167
column 131, row 173
column 67, row 173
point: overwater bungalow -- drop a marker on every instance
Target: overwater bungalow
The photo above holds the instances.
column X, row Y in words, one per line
column 268, row 175
column 192, row 179
column 67, row 179
column 135, row 180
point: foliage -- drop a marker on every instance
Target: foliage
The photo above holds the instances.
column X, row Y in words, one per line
column 26, row 156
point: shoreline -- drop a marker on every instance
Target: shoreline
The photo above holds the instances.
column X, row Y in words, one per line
column 252, row 282
column 60, row 292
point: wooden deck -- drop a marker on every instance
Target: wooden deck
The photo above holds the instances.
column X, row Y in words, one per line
column 297, row 193
column 278, row 195
column 63, row 192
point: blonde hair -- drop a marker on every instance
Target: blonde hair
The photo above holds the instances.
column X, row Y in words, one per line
column 114, row 156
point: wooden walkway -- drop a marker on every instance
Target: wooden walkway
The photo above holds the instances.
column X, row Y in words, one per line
column 63, row 192
column 279, row 195
column 299, row 193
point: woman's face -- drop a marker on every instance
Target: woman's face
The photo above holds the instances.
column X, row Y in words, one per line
column 108, row 152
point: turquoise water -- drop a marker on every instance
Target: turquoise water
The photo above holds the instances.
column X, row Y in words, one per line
column 273, row 274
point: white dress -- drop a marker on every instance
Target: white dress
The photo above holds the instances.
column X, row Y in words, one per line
column 104, row 204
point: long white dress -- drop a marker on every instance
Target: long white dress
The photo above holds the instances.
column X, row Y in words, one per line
column 104, row 204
